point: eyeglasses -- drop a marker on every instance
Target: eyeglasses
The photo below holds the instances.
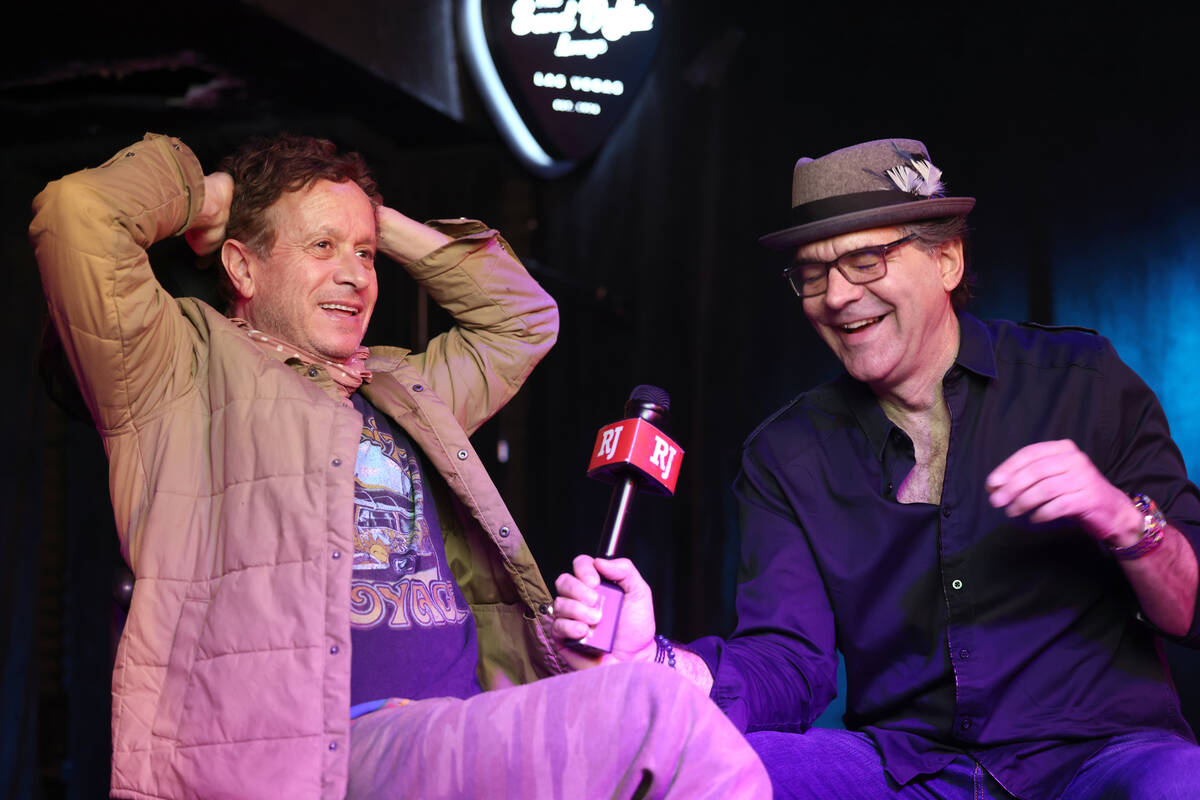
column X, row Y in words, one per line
column 811, row 278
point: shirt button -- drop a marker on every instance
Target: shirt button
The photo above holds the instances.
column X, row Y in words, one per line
column 418, row 388
column 337, row 462
column 956, row 583
column 946, row 511
column 313, row 372
column 333, row 745
column 337, row 554
column 504, row 532
column 965, row 724
column 462, row 455
column 333, row 651
column 964, row 653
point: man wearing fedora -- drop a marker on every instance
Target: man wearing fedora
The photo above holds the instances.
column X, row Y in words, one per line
column 989, row 520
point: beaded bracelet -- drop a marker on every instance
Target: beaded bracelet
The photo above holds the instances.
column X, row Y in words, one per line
column 1155, row 531
column 664, row 651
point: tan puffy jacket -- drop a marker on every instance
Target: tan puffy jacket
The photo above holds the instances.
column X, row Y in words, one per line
column 232, row 479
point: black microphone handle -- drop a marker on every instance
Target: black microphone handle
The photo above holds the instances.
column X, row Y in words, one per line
column 618, row 510
column 611, row 596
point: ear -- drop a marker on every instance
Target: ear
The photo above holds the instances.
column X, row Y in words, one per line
column 238, row 261
column 951, row 264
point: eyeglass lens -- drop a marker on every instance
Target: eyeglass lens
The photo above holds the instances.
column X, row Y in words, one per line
column 861, row 266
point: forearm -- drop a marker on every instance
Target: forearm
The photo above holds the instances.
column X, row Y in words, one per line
column 688, row 664
column 478, row 280
column 1165, row 582
column 90, row 232
column 693, row 667
column 405, row 240
column 504, row 321
column 1163, row 579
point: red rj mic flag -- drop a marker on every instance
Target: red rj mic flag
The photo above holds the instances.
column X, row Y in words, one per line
column 638, row 444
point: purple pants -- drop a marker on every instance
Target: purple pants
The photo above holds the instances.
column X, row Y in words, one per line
column 822, row 764
column 619, row 731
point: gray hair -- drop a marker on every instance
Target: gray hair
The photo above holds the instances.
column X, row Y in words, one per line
column 934, row 233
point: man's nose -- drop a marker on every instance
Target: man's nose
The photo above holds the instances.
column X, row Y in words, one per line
column 839, row 292
column 352, row 271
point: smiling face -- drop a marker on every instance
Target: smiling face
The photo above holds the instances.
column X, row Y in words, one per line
column 316, row 287
column 897, row 334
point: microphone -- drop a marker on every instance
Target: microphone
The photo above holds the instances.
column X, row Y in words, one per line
column 633, row 454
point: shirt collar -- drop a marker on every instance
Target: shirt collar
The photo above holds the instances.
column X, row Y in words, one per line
column 976, row 351
column 864, row 405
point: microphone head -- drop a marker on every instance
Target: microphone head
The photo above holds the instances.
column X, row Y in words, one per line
column 651, row 404
column 638, row 446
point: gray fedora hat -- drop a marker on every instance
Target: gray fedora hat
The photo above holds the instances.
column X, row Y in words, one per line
column 869, row 185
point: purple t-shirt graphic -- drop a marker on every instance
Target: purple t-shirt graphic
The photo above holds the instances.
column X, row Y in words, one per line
column 412, row 633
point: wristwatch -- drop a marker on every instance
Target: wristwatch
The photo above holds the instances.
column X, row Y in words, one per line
column 1153, row 532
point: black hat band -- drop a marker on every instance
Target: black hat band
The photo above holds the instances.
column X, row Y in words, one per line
column 827, row 207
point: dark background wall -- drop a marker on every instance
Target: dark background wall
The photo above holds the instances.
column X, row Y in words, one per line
column 1076, row 131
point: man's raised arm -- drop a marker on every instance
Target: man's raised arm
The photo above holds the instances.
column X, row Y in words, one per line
column 121, row 331
column 504, row 321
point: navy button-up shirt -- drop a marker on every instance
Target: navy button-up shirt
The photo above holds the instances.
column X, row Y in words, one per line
column 962, row 630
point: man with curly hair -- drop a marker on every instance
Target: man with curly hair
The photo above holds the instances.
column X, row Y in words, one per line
column 331, row 598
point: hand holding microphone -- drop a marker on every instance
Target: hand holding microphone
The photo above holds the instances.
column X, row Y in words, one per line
column 577, row 609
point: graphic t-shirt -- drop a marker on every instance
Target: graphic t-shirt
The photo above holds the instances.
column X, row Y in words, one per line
column 412, row 633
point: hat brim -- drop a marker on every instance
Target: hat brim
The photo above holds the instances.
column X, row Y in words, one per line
column 869, row 218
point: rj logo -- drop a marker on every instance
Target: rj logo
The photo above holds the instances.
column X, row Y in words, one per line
column 663, row 456
column 608, row 442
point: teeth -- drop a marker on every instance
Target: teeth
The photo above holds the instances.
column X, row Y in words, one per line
column 338, row 307
column 853, row 326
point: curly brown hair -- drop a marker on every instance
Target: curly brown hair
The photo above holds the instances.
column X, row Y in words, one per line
column 263, row 169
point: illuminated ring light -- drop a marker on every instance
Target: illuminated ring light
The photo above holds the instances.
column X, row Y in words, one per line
column 495, row 96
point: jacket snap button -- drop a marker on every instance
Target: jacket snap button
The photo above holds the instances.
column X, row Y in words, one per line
column 418, row 388
column 462, row 455
column 504, row 532
column 313, row 372
column 544, row 609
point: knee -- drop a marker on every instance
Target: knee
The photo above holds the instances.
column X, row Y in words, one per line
column 821, row 763
column 653, row 697
column 1171, row 774
column 654, row 688
column 1155, row 766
